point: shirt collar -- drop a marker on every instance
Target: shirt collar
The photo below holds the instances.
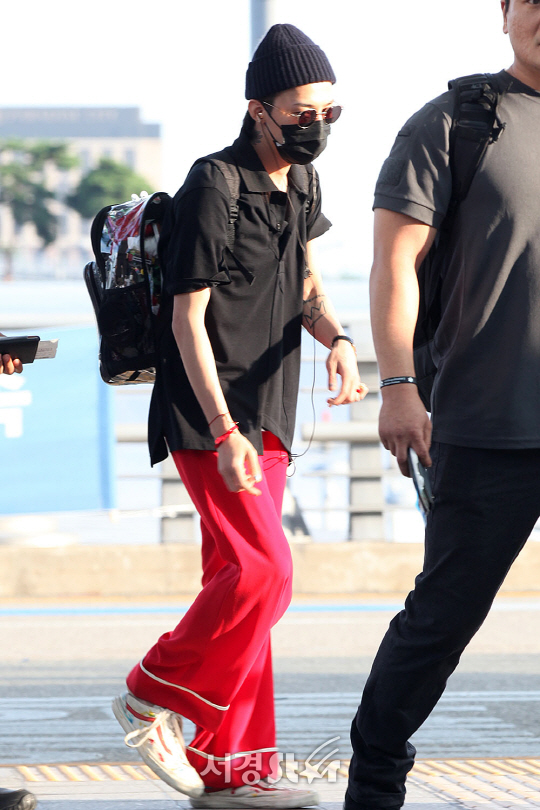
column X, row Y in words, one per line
column 254, row 175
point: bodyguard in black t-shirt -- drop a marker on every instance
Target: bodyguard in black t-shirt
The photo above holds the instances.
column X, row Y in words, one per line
column 484, row 450
column 224, row 405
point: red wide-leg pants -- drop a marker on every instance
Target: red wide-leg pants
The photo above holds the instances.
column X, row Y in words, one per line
column 215, row 667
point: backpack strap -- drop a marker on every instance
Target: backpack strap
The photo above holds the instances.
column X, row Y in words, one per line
column 312, row 188
column 232, row 176
column 474, row 126
column 96, row 233
column 229, row 170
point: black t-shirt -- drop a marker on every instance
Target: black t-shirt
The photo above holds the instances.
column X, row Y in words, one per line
column 254, row 316
column 487, row 388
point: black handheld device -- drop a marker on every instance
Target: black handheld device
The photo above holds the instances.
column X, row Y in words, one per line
column 23, row 347
column 421, row 481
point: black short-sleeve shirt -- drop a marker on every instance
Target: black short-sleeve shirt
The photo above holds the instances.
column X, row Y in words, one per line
column 487, row 345
column 254, row 316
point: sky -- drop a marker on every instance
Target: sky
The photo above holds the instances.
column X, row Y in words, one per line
column 183, row 63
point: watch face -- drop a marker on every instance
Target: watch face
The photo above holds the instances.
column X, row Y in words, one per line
column 421, row 481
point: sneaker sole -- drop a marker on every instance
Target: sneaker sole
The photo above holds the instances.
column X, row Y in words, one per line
column 188, row 788
column 254, row 802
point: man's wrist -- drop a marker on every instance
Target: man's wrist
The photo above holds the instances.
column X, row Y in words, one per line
column 220, row 424
column 224, row 436
column 336, row 340
column 400, row 392
column 405, row 379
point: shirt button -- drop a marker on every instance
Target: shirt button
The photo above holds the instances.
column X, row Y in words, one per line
column 278, row 226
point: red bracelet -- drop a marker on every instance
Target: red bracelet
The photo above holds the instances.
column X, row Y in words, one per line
column 221, row 439
column 217, row 417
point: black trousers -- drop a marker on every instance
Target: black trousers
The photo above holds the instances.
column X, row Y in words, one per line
column 486, row 505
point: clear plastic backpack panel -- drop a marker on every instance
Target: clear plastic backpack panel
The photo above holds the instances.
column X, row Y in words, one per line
column 151, row 237
column 121, row 245
column 120, row 231
column 155, row 214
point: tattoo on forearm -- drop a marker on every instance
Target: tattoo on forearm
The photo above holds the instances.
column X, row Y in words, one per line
column 314, row 310
column 307, row 272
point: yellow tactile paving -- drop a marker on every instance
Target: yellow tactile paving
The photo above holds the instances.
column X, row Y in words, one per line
column 94, row 774
column 27, row 773
column 437, row 767
column 135, row 773
column 116, row 773
column 532, row 764
column 82, row 772
column 489, row 783
column 492, row 783
column 127, row 771
column 51, row 774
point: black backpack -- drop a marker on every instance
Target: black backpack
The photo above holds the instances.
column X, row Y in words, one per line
column 124, row 281
column 475, row 125
column 124, row 284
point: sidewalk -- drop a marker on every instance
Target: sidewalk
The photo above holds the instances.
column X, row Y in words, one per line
column 64, row 659
column 433, row 785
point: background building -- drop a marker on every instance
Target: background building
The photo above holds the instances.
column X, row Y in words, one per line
column 92, row 133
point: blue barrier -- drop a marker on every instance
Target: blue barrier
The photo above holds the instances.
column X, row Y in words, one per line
column 57, row 431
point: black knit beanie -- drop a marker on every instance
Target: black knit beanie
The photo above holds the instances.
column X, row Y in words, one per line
column 286, row 58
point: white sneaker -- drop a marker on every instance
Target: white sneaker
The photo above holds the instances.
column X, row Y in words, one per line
column 157, row 735
column 263, row 794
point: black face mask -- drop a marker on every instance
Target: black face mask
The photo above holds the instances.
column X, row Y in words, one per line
column 302, row 144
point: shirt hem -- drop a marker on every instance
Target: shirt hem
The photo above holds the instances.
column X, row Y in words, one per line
column 267, row 423
column 486, row 444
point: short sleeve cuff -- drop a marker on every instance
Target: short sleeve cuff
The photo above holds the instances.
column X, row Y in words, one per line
column 194, row 284
column 411, row 209
column 320, row 226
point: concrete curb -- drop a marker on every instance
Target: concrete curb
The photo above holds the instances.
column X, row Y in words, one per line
column 174, row 570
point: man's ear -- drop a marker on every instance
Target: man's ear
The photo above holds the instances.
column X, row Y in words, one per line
column 505, row 22
column 255, row 109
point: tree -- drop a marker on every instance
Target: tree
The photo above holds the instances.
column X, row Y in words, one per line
column 24, row 187
column 109, row 183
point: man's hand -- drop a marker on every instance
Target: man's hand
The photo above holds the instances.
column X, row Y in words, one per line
column 10, row 365
column 238, row 463
column 404, row 423
column 342, row 361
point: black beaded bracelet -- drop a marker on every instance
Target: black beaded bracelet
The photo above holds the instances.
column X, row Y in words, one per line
column 397, row 381
column 343, row 337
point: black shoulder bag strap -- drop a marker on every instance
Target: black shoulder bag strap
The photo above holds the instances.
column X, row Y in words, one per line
column 232, row 176
column 312, row 188
column 230, row 172
column 475, row 125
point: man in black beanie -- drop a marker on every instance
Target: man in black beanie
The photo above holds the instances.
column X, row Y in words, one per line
column 240, row 280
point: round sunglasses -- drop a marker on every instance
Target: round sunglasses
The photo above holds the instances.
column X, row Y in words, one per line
column 308, row 117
